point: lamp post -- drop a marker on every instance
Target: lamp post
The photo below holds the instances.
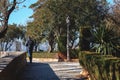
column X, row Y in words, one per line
column 68, row 24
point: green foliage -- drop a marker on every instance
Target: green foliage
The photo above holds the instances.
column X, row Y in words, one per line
column 13, row 32
column 100, row 67
column 85, row 36
column 91, row 13
column 6, row 8
column 43, row 19
column 34, row 31
column 51, row 17
column 106, row 40
column 74, row 53
column 42, row 28
column 62, row 44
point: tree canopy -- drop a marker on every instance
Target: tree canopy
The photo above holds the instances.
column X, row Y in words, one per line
column 6, row 8
column 14, row 32
column 86, row 17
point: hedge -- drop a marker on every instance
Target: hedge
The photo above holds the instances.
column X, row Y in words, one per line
column 100, row 67
column 44, row 55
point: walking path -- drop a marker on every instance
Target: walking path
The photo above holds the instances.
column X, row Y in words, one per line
column 51, row 71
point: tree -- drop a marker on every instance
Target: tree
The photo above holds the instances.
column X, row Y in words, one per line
column 106, row 35
column 43, row 19
column 105, row 40
column 35, row 32
column 84, row 14
column 13, row 33
column 60, row 13
column 116, row 15
column 92, row 13
column 6, row 8
column 52, row 18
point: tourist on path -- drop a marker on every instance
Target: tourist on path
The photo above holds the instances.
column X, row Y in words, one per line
column 30, row 46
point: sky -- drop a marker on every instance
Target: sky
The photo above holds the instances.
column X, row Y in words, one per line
column 111, row 1
column 22, row 14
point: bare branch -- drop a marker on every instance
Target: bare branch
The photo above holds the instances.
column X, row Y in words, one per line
column 12, row 8
column 20, row 2
column 6, row 8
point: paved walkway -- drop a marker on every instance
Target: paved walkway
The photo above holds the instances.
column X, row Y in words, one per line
column 51, row 71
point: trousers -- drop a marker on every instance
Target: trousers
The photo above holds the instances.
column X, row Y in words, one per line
column 30, row 55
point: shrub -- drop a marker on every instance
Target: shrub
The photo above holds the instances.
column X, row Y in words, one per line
column 44, row 55
column 100, row 67
column 105, row 40
column 62, row 44
column 74, row 53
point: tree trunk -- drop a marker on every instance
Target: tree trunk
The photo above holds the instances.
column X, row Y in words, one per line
column 2, row 46
column 7, row 11
column 51, row 41
column 8, row 47
column 36, row 47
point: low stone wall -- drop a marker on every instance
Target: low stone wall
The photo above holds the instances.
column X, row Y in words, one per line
column 3, row 54
column 11, row 65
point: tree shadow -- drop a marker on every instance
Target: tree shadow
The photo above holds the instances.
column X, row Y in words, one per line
column 37, row 71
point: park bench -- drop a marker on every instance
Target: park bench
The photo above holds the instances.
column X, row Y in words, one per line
column 11, row 65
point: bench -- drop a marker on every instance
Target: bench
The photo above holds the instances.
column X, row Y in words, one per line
column 11, row 65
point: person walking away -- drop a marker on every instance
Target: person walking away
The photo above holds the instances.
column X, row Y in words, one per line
column 30, row 46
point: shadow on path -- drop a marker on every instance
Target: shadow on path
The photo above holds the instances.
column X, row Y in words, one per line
column 37, row 71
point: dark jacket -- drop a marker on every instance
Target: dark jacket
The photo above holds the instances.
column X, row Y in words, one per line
column 30, row 44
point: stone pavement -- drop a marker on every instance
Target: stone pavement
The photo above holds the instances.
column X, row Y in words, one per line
column 51, row 71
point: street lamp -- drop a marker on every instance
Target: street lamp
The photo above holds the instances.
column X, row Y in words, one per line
column 68, row 24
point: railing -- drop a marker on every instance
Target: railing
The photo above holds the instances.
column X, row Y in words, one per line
column 11, row 65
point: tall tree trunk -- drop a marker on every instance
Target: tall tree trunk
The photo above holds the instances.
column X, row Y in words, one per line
column 8, row 47
column 51, row 41
column 36, row 47
column 2, row 46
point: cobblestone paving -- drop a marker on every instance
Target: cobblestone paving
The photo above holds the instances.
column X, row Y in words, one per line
column 51, row 71
column 66, row 70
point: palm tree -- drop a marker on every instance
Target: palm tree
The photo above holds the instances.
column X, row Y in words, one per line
column 105, row 40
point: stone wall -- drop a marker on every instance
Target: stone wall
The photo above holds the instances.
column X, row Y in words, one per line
column 3, row 54
column 11, row 65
